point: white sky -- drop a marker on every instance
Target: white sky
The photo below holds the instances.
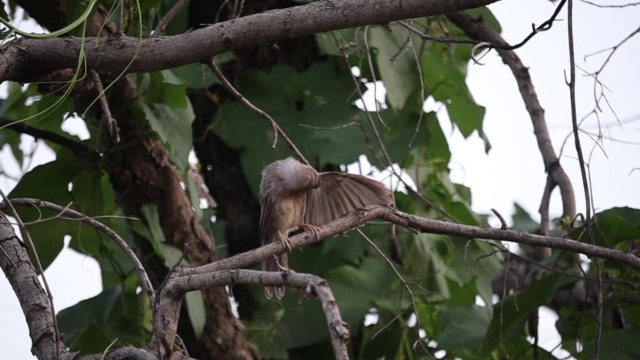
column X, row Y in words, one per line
column 512, row 171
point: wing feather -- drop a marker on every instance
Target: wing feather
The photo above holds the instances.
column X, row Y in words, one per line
column 338, row 194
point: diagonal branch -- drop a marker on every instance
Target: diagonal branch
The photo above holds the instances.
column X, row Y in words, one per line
column 557, row 176
column 146, row 283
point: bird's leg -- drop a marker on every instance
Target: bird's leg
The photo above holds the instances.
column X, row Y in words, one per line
column 314, row 229
column 285, row 241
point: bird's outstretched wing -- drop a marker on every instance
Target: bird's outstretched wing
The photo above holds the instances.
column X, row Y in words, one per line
column 338, row 194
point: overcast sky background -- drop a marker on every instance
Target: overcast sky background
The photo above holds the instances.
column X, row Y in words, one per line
column 513, row 170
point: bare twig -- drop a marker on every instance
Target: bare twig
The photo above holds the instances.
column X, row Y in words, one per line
column 611, row 6
column 374, row 81
column 166, row 19
column 112, row 124
column 405, row 284
column 77, row 148
column 276, row 128
column 146, row 283
column 583, row 172
column 492, row 45
column 503, row 224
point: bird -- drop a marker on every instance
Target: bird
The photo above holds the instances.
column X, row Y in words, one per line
column 295, row 196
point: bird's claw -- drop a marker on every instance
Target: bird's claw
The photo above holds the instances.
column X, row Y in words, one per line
column 314, row 229
column 285, row 242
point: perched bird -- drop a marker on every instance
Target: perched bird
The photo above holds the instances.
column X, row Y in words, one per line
column 296, row 196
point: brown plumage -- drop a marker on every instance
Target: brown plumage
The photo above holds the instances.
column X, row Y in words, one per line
column 294, row 195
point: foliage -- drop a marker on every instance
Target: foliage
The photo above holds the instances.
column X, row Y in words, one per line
column 446, row 303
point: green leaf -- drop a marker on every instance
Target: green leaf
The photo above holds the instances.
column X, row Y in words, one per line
column 196, row 311
column 395, row 341
column 511, row 314
column 615, row 227
column 397, row 67
column 522, row 221
column 615, row 345
column 168, row 110
column 48, row 182
column 111, row 315
column 464, row 327
column 487, row 17
column 444, row 72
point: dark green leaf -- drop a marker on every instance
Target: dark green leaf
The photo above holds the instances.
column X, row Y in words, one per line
column 111, row 315
column 615, row 345
column 511, row 314
column 464, row 327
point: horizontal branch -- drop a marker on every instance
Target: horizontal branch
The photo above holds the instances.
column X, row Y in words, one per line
column 362, row 216
column 313, row 285
column 26, row 59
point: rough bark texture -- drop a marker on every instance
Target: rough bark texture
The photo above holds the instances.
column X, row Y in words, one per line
column 15, row 263
column 28, row 59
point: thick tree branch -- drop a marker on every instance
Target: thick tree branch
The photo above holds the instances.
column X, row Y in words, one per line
column 180, row 283
column 23, row 278
column 24, row 59
column 478, row 30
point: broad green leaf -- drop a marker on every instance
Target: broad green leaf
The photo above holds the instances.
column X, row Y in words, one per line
column 464, row 327
column 93, row 196
column 444, row 72
column 111, row 315
column 48, row 182
column 615, row 345
column 196, row 311
column 614, row 228
column 484, row 13
column 522, row 221
column 511, row 314
column 315, row 110
column 397, row 67
column 168, row 110
column 196, row 75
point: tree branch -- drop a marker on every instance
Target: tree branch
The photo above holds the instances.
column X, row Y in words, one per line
column 362, row 216
column 146, row 283
column 24, row 59
column 478, row 30
column 23, row 278
column 180, row 283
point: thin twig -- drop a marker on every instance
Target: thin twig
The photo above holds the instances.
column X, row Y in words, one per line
column 583, row 172
column 421, row 78
column 277, row 130
column 166, row 19
column 75, row 147
column 404, row 283
column 146, row 283
column 112, row 124
column 621, row 6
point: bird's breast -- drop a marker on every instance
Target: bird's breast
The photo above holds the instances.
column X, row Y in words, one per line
column 290, row 212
